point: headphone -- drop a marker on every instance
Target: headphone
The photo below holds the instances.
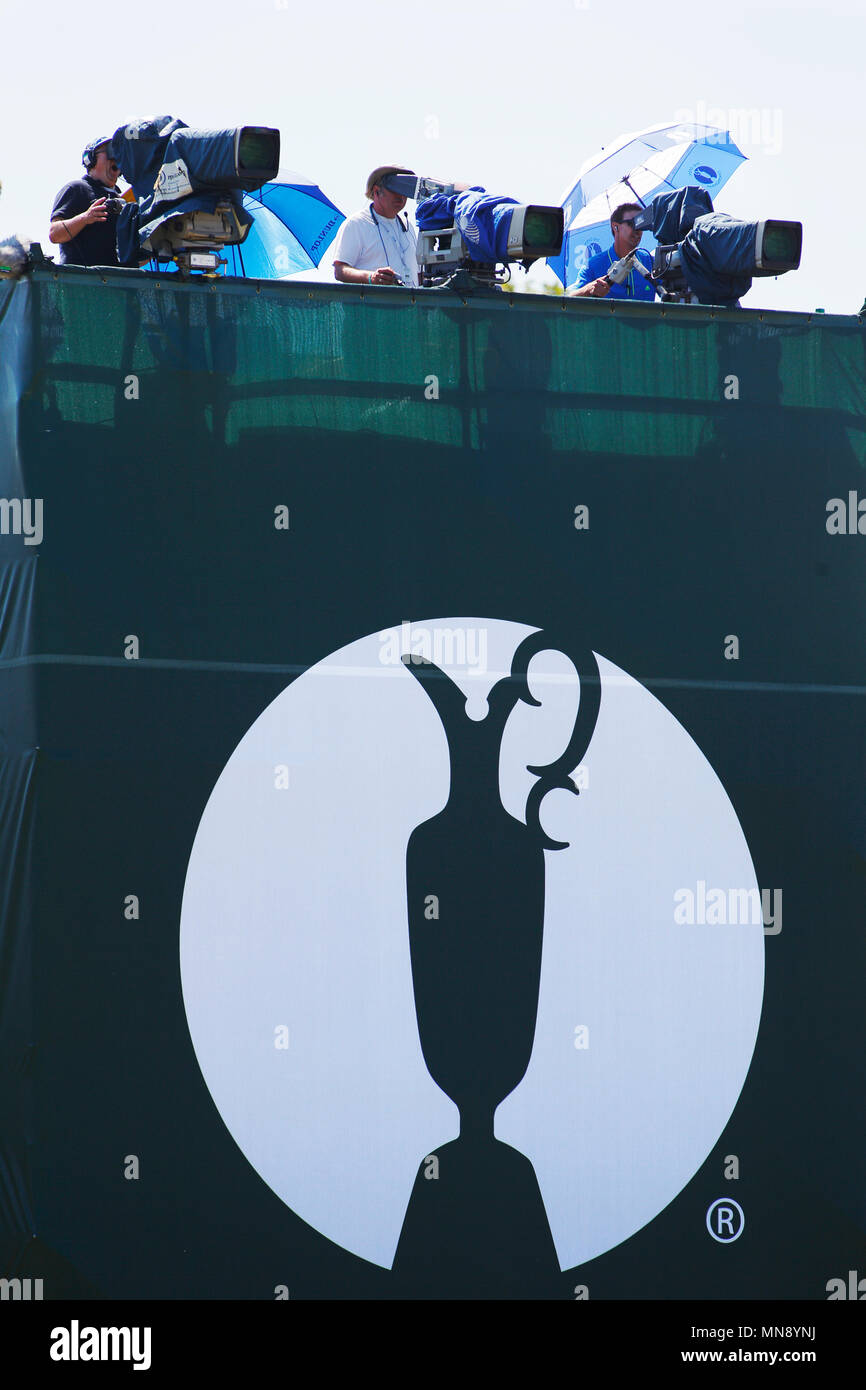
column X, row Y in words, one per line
column 90, row 152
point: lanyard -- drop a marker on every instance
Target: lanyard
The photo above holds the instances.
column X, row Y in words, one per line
column 404, row 230
column 629, row 284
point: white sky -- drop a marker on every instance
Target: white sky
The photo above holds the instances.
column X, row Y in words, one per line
column 463, row 89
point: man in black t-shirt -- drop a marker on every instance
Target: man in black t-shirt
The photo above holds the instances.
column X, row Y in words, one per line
column 84, row 216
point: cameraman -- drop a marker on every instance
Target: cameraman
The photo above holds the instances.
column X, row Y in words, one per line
column 593, row 281
column 376, row 246
column 83, row 219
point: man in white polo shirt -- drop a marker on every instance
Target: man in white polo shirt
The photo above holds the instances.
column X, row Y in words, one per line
column 376, row 246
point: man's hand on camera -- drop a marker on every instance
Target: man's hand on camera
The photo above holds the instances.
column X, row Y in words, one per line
column 620, row 270
column 351, row 275
column 596, row 289
column 98, row 211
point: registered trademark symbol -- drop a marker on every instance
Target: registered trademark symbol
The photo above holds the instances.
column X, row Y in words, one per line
column 725, row 1216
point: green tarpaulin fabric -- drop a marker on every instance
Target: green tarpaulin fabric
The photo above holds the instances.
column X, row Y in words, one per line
column 209, row 487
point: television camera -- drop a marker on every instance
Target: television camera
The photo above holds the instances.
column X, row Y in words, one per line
column 467, row 237
column 189, row 187
column 708, row 257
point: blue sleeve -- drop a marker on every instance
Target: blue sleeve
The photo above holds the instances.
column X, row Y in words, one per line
column 593, row 268
column 586, row 274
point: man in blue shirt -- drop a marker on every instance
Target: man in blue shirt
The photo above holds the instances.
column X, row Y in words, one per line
column 592, row 280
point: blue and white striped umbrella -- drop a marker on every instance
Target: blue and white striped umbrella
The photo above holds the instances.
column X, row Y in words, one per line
column 634, row 169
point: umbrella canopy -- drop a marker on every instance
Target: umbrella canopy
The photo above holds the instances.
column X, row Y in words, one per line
column 294, row 223
column 634, row 169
